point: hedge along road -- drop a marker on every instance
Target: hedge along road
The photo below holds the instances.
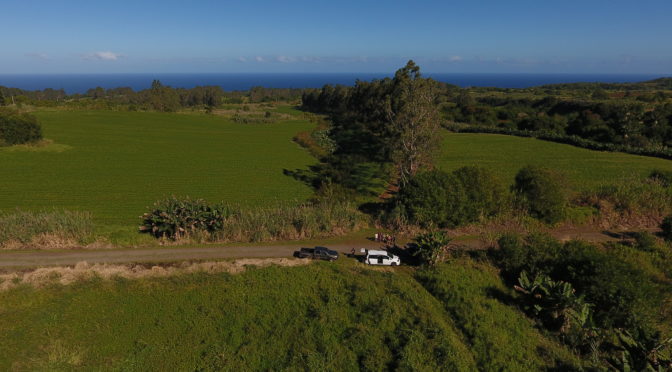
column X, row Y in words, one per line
column 10, row 260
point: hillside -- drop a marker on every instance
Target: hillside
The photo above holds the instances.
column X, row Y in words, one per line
column 323, row 316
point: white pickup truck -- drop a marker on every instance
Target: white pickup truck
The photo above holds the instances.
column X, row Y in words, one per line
column 373, row 257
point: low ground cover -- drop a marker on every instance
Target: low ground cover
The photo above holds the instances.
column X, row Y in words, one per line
column 324, row 316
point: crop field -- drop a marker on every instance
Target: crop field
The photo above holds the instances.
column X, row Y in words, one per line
column 320, row 317
column 505, row 155
column 116, row 164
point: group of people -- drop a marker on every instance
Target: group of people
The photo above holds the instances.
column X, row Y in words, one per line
column 389, row 240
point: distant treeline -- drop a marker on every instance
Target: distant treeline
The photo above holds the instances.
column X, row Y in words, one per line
column 635, row 115
column 159, row 97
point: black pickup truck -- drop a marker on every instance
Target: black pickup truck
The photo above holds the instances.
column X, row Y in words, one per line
column 321, row 253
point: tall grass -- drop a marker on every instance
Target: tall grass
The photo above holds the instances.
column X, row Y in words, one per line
column 197, row 220
column 45, row 227
column 630, row 201
column 319, row 317
column 288, row 222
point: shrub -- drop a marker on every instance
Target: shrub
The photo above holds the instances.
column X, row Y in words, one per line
column 430, row 198
column 534, row 254
column 437, row 198
column 175, row 218
column 540, row 191
column 662, row 176
column 666, row 227
column 485, row 194
column 18, row 128
column 645, row 241
column 431, row 247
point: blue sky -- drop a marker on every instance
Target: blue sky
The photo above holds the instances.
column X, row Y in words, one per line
column 590, row 36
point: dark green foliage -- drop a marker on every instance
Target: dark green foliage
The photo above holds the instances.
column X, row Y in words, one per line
column 645, row 241
column 389, row 121
column 175, row 218
column 18, row 128
column 540, row 191
column 431, row 247
column 666, row 227
column 634, row 355
column 437, row 198
column 555, row 303
column 486, row 195
column 531, row 254
column 623, row 294
column 431, row 198
column 662, row 176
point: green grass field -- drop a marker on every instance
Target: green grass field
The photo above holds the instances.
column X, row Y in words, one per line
column 505, row 155
column 336, row 316
column 116, row 164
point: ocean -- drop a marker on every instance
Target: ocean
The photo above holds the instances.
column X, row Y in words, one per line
column 80, row 83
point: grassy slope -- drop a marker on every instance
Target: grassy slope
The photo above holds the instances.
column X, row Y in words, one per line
column 507, row 154
column 325, row 316
column 121, row 162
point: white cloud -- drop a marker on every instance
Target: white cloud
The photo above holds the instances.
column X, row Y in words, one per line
column 285, row 59
column 259, row 59
column 104, row 56
column 40, row 56
column 456, row 59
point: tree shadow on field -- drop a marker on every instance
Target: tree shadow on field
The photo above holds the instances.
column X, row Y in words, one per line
column 359, row 179
column 310, row 177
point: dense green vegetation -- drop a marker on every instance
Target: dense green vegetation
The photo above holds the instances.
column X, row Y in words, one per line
column 176, row 219
column 119, row 163
column 159, row 97
column 318, row 317
column 615, row 117
column 607, row 302
column 438, row 198
column 18, row 128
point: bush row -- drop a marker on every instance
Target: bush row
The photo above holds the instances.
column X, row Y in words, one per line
column 179, row 218
column 574, row 140
column 469, row 194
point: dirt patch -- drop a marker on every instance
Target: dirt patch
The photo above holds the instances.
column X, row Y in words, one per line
column 84, row 271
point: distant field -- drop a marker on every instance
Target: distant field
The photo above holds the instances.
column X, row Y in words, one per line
column 115, row 164
column 505, row 155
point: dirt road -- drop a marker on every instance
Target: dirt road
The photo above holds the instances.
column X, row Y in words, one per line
column 13, row 260
column 19, row 259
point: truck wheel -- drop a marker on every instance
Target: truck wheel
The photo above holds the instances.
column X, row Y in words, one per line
column 394, row 264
